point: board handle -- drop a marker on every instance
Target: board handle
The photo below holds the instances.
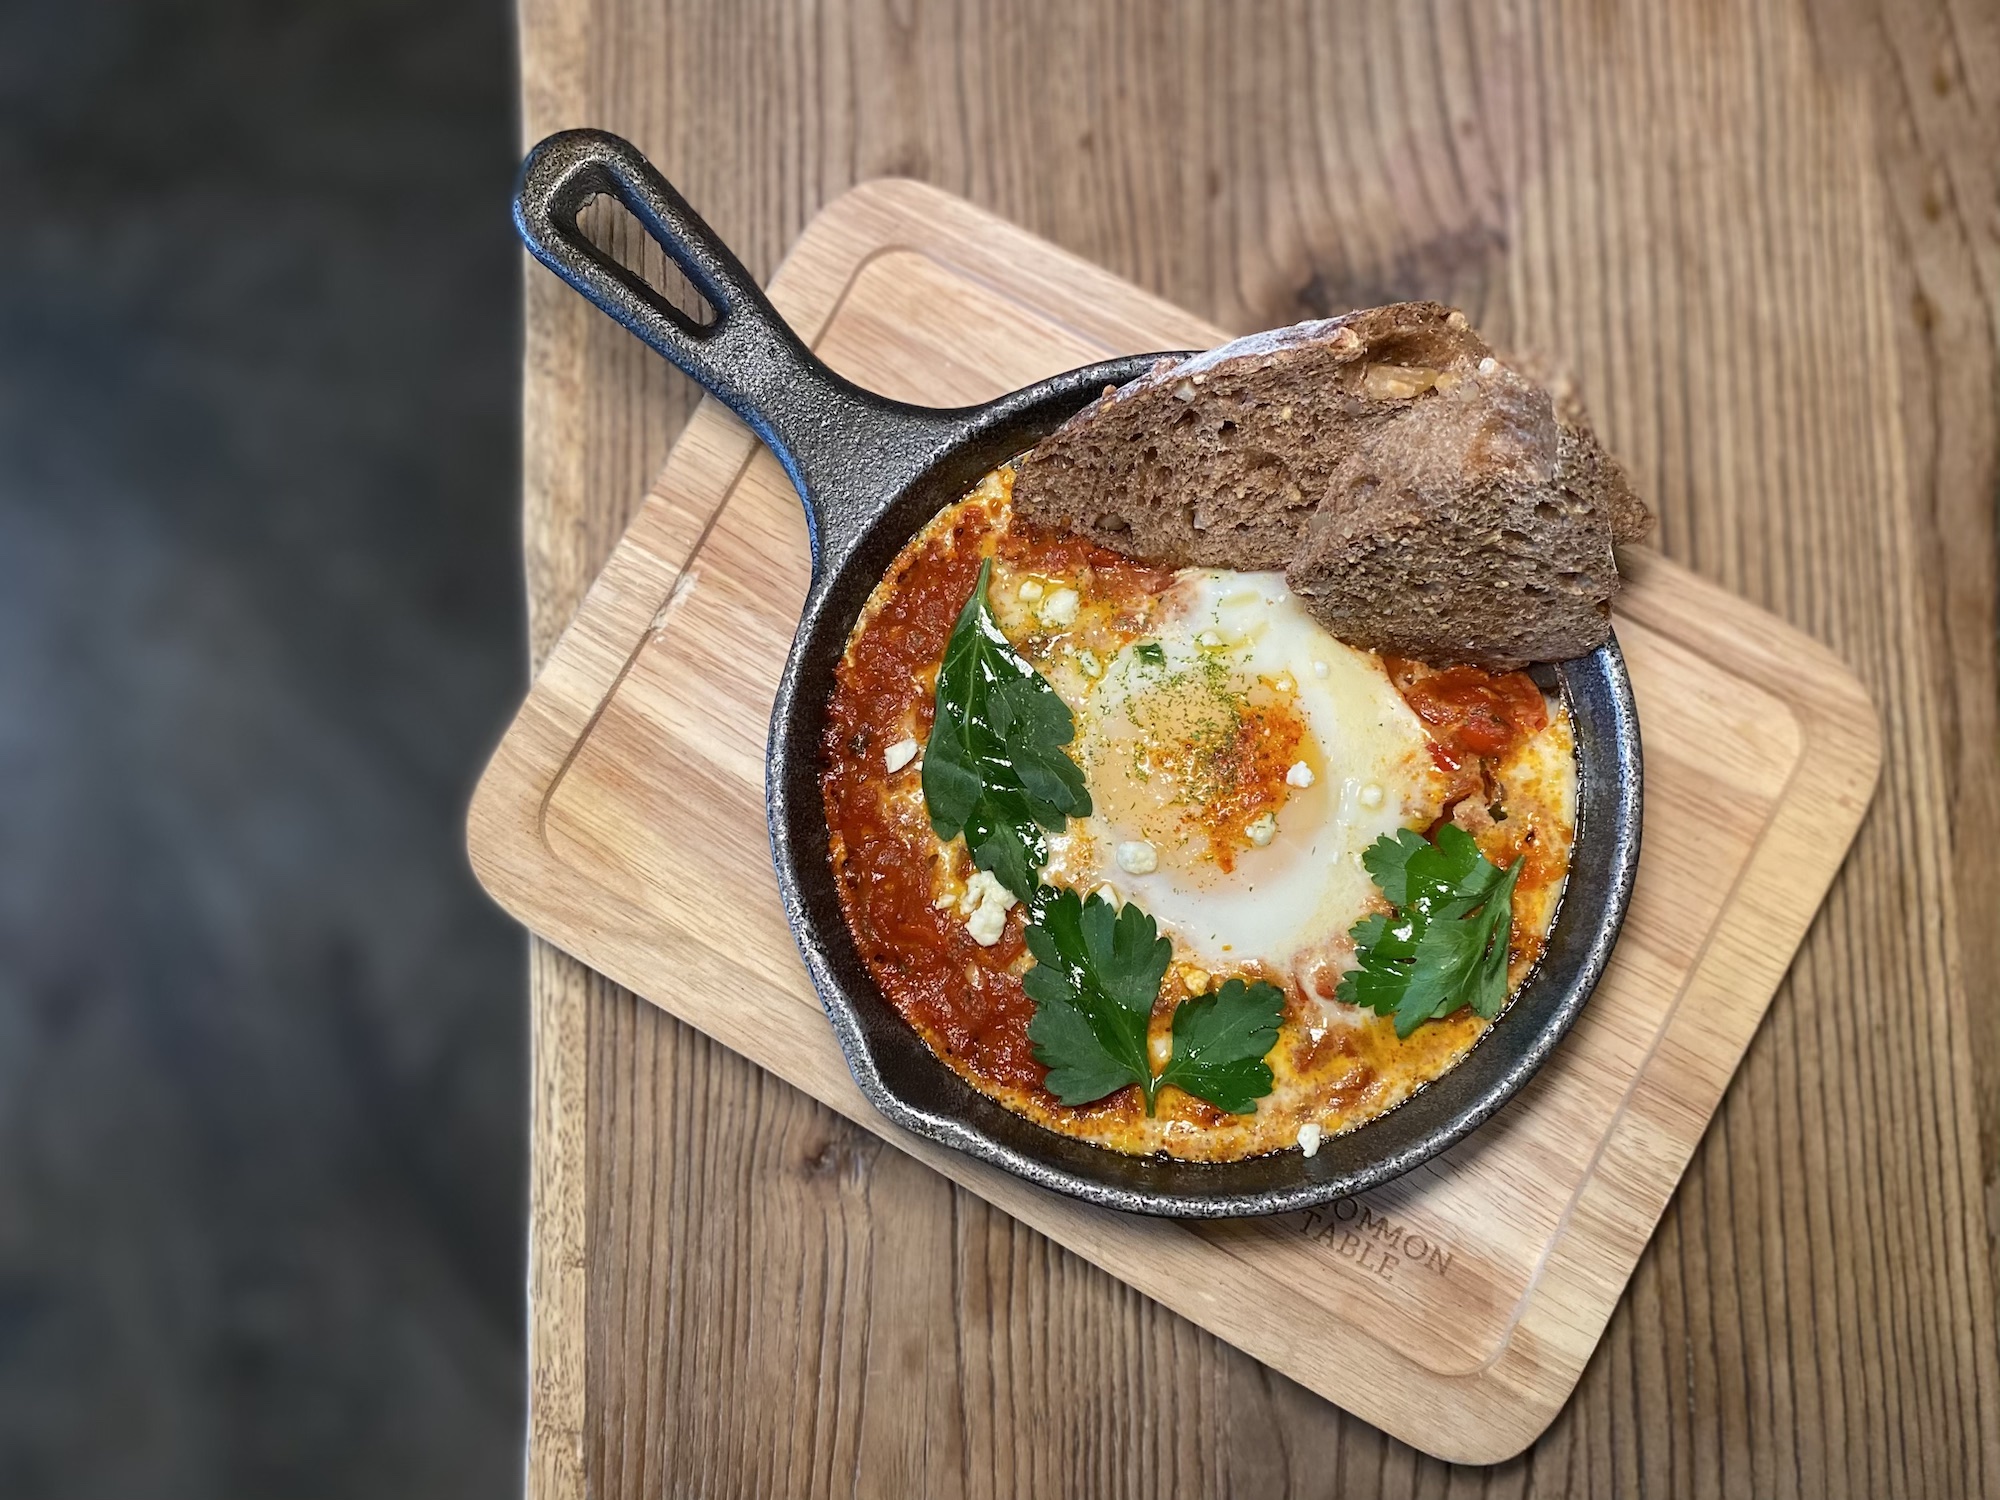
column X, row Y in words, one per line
column 847, row 449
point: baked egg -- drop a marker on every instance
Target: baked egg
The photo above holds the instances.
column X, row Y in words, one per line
column 1239, row 761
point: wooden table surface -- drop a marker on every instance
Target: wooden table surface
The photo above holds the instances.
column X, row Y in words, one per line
column 1767, row 236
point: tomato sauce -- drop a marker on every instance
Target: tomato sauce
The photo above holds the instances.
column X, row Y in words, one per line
column 1471, row 713
column 965, row 999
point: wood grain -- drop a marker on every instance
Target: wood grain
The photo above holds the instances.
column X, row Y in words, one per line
column 1764, row 235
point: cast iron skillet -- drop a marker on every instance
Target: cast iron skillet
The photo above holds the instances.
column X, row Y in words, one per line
column 871, row 472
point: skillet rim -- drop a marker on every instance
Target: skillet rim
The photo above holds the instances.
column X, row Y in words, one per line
column 909, row 1084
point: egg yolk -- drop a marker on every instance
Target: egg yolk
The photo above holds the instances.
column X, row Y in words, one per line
column 1195, row 757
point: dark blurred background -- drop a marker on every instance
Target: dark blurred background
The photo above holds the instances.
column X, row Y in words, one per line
column 262, row 1042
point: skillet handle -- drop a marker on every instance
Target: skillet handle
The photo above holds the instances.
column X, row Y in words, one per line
column 846, row 449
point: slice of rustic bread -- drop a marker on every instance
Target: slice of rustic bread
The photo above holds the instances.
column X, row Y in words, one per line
column 1425, row 499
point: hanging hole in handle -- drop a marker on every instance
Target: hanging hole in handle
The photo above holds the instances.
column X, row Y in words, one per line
column 609, row 225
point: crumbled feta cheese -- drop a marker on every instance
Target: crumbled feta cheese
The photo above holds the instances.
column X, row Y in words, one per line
column 899, row 755
column 1300, row 775
column 1320, row 669
column 1059, row 608
column 1090, row 665
column 1262, row 830
column 1196, row 981
column 982, row 885
column 986, row 925
column 1137, row 857
column 1107, row 893
column 1286, row 683
column 1309, row 1139
column 1371, row 795
column 1030, row 591
column 1208, row 638
column 984, row 906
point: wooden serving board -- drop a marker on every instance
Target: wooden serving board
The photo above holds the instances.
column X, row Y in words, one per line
column 622, row 817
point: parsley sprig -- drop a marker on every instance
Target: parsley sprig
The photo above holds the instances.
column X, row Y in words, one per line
column 995, row 768
column 1096, row 977
column 1220, row 1042
column 1445, row 945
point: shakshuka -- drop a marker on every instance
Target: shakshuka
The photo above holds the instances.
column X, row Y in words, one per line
column 1238, row 760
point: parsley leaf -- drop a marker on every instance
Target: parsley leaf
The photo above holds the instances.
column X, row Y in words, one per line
column 995, row 769
column 1445, row 945
column 1220, row 1040
column 1097, row 973
column 1096, row 977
